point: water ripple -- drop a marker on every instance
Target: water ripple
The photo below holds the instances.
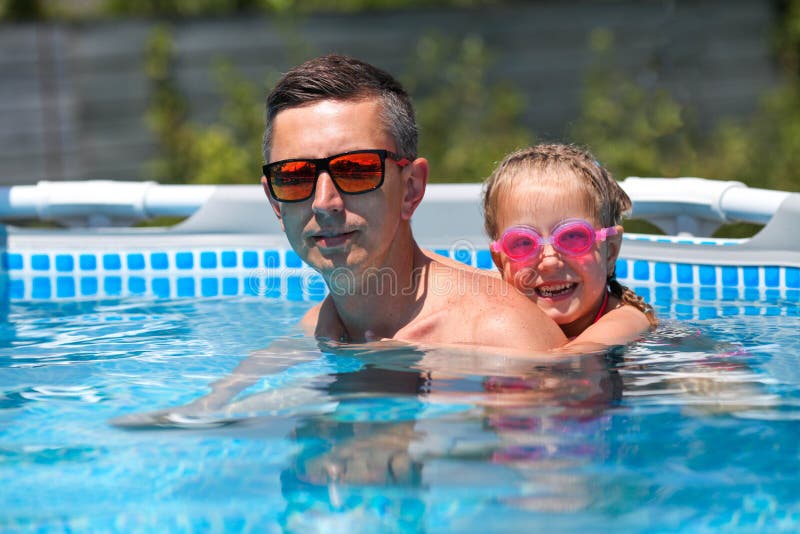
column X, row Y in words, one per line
column 86, row 394
column 48, row 455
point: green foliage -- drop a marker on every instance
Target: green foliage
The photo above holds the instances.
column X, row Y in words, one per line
column 182, row 7
column 632, row 130
column 466, row 123
column 22, row 10
column 773, row 138
column 16, row 10
column 640, row 131
column 786, row 35
column 167, row 116
column 174, row 8
column 226, row 151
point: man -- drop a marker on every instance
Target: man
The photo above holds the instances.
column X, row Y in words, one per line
column 344, row 179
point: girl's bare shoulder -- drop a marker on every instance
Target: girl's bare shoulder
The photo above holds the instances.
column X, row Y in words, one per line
column 619, row 326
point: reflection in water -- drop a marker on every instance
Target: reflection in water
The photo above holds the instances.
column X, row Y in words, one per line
column 535, row 422
column 391, row 436
column 527, row 435
column 680, row 366
column 354, row 447
column 550, row 424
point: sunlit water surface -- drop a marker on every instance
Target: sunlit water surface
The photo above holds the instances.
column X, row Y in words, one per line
column 696, row 428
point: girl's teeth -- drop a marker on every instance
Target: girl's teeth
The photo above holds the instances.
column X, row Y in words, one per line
column 550, row 291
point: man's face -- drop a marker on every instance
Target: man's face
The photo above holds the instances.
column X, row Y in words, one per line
column 332, row 230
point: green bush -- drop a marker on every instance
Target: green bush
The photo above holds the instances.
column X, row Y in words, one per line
column 636, row 131
column 295, row 7
column 225, row 151
column 468, row 123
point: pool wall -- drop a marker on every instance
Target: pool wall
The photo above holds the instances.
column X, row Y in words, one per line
column 233, row 245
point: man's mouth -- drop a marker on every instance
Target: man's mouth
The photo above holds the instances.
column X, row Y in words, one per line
column 555, row 291
column 332, row 239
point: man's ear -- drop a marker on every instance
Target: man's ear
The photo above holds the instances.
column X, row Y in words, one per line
column 276, row 206
column 498, row 260
column 415, row 181
column 613, row 245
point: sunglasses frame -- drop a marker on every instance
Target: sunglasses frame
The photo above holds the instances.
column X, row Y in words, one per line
column 323, row 164
column 596, row 235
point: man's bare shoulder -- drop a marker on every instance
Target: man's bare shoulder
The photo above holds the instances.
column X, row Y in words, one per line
column 456, row 282
column 455, row 264
column 309, row 321
column 322, row 321
column 488, row 311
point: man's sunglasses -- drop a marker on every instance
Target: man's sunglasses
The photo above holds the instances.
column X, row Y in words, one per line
column 353, row 173
column 573, row 237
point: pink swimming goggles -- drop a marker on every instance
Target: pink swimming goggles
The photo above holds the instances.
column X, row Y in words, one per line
column 573, row 237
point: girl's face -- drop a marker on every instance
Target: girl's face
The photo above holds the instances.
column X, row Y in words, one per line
column 570, row 289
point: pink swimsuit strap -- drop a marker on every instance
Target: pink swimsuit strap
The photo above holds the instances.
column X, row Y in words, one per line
column 602, row 309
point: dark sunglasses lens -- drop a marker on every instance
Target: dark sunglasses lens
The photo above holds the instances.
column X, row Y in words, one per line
column 357, row 173
column 519, row 244
column 574, row 239
column 293, row 180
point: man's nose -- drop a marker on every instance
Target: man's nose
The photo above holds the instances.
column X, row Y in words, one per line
column 327, row 199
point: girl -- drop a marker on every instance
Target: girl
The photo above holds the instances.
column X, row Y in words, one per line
column 553, row 215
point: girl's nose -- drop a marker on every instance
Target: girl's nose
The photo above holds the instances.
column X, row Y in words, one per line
column 548, row 256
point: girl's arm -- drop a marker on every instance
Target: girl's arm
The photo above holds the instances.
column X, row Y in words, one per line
column 617, row 327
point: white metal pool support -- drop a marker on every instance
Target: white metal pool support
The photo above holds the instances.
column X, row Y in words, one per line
column 698, row 206
column 679, row 206
column 97, row 203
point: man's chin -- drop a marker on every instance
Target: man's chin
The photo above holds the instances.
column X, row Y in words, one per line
column 328, row 261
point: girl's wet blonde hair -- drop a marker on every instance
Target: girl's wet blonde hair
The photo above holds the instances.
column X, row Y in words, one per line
column 607, row 201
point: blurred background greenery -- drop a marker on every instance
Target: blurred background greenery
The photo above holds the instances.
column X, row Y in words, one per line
column 468, row 120
column 468, row 123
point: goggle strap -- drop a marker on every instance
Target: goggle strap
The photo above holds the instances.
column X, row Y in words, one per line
column 603, row 233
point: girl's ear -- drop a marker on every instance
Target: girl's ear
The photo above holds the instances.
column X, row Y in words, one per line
column 613, row 245
column 415, row 181
column 276, row 206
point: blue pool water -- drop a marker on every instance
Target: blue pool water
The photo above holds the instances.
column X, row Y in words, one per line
column 695, row 429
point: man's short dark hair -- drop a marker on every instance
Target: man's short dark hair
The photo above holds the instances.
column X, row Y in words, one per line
column 339, row 77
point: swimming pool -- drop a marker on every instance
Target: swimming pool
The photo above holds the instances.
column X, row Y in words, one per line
column 692, row 429
column 686, row 431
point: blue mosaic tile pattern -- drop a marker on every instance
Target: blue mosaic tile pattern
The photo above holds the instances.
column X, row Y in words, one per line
column 202, row 273
column 180, row 273
column 784, row 279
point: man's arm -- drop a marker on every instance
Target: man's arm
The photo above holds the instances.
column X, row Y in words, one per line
column 281, row 354
column 209, row 410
